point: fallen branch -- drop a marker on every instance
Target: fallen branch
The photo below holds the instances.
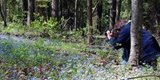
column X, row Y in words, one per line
column 99, row 37
column 141, row 77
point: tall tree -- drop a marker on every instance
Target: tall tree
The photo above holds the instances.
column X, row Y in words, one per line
column 75, row 14
column 55, row 8
column 3, row 11
column 112, row 13
column 30, row 12
column 25, row 9
column 99, row 15
column 61, row 10
column 118, row 9
column 89, row 22
column 136, row 27
column 81, row 16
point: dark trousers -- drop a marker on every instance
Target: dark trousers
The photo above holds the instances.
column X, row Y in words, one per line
column 152, row 64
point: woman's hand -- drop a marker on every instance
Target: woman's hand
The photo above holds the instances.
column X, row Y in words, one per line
column 109, row 34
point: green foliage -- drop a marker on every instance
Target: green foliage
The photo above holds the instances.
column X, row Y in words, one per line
column 39, row 53
column 125, row 9
column 15, row 28
column 48, row 27
column 104, row 53
column 61, row 60
column 15, row 13
column 43, row 3
column 76, row 35
column 26, row 56
column 105, row 15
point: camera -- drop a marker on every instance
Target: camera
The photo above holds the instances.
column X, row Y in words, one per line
column 115, row 32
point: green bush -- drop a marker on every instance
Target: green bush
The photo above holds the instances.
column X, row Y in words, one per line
column 49, row 27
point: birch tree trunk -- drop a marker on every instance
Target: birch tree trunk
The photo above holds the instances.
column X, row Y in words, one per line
column 136, row 38
column 30, row 12
column 55, row 9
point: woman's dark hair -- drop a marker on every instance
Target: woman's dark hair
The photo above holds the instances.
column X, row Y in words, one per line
column 117, row 27
column 119, row 24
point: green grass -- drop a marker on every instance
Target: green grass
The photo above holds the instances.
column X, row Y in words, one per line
column 14, row 28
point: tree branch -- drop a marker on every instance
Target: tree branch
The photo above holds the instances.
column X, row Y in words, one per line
column 95, row 7
column 141, row 77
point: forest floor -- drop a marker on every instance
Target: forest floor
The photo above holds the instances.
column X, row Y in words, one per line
column 46, row 59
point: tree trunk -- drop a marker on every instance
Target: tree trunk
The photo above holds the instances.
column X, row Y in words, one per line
column 55, row 8
column 3, row 11
column 61, row 9
column 99, row 16
column 61, row 13
column 89, row 22
column 33, row 9
column 75, row 14
column 30, row 12
column 25, row 9
column 112, row 13
column 157, row 17
column 49, row 10
column 118, row 9
column 136, row 38
column 81, row 17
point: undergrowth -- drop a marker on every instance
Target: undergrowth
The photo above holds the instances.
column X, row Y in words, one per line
column 41, row 53
column 62, row 55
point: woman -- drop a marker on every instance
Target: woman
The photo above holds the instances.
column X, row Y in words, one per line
column 120, row 38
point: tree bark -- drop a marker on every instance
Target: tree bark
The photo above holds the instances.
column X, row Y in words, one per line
column 55, row 9
column 89, row 22
column 30, row 12
column 61, row 9
column 25, row 9
column 49, row 10
column 33, row 9
column 3, row 11
column 118, row 9
column 112, row 13
column 99, row 16
column 75, row 14
column 136, row 38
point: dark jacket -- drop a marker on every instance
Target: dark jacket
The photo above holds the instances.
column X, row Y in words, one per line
column 151, row 49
